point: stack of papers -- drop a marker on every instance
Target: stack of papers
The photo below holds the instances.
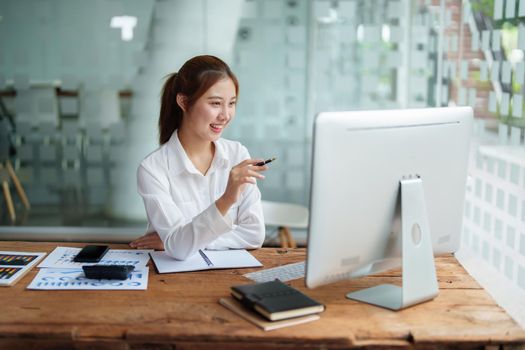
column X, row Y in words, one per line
column 58, row 271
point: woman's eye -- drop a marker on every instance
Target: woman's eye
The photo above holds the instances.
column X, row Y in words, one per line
column 216, row 103
column 232, row 103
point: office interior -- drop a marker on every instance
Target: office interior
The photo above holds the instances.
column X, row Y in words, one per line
column 80, row 84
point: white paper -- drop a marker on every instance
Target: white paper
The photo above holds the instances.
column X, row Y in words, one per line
column 517, row 106
column 348, row 33
column 462, row 96
column 321, row 8
column 510, row 8
column 448, row 17
column 515, row 136
column 475, row 41
column 446, row 43
column 485, row 40
column 453, row 43
column 496, row 40
column 492, row 102
column 372, row 34
column 521, row 8
column 74, row 279
column 444, row 94
column 396, row 34
column 272, row 9
column 446, row 69
column 520, row 72
column 348, row 9
column 295, row 59
column 394, row 9
column 503, row 132
column 393, row 59
column 62, row 257
column 296, row 35
column 453, row 68
column 220, row 259
column 483, row 71
column 505, row 72
column 505, row 102
column 464, row 70
column 495, row 71
column 521, row 37
column 466, row 13
column 498, row 9
column 472, row 97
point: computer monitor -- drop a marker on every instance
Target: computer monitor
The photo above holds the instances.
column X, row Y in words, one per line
column 387, row 190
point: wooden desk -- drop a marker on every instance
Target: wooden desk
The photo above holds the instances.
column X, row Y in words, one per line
column 181, row 311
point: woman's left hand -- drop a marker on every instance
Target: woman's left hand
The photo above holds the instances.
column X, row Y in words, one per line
column 148, row 241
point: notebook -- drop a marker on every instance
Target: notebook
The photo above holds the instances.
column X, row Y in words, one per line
column 276, row 300
column 236, row 306
column 205, row 260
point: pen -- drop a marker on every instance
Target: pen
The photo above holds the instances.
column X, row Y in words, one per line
column 208, row 261
column 266, row 161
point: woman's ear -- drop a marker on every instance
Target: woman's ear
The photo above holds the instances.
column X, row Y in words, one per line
column 181, row 101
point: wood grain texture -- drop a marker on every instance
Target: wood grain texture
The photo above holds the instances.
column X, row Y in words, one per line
column 182, row 310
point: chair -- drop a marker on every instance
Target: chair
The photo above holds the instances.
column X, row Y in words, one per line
column 7, row 172
column 285, row 216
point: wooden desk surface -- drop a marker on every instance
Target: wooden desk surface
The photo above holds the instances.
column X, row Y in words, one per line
column 182, row 310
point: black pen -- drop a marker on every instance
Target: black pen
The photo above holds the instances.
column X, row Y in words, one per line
column 265, row 161
column 208, row 261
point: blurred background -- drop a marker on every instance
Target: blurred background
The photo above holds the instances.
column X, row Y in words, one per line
column 80, row 85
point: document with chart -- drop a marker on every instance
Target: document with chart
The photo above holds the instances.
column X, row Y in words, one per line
column 74, row 279
column 14, row 265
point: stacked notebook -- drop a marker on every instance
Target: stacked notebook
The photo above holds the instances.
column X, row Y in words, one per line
column 272, row 305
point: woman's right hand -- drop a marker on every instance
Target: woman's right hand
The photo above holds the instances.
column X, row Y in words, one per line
column 150, row 240
column 246, row 172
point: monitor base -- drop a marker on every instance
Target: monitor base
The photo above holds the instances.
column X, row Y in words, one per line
column 384, row 295
column 419, row 273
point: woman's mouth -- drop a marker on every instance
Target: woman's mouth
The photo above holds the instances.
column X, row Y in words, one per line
column 216, row 128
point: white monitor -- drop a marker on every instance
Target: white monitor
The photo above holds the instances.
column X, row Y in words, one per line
column 363, row 163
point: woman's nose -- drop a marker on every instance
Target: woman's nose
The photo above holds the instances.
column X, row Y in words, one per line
column 223, row 115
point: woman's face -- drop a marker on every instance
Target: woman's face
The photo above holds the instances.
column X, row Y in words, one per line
column 210, row 114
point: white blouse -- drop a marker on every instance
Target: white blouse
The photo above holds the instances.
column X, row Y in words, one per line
column 180, row 201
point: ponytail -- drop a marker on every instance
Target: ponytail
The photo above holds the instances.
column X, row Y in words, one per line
column 170, row 113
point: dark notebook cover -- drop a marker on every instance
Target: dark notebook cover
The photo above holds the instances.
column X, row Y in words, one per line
column 276, row 300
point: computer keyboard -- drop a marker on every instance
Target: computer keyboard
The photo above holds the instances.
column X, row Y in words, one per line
column 284, row 273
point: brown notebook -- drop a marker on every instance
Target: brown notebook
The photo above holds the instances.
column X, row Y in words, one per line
column 237, row 307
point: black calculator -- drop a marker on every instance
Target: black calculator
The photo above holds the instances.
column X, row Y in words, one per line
column 108, row 272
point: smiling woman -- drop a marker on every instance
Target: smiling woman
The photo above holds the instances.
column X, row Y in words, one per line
column 199, row 190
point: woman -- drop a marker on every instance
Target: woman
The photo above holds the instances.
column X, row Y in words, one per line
column 200, row 190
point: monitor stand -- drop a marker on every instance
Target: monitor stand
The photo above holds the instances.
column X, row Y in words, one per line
column 418, row 270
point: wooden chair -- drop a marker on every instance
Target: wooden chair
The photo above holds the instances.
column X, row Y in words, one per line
column 6, row 172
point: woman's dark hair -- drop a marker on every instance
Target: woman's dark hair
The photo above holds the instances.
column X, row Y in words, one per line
column 193, row 79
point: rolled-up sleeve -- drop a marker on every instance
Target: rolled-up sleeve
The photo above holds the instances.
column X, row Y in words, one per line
column 181, row 238
column 249, row 232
